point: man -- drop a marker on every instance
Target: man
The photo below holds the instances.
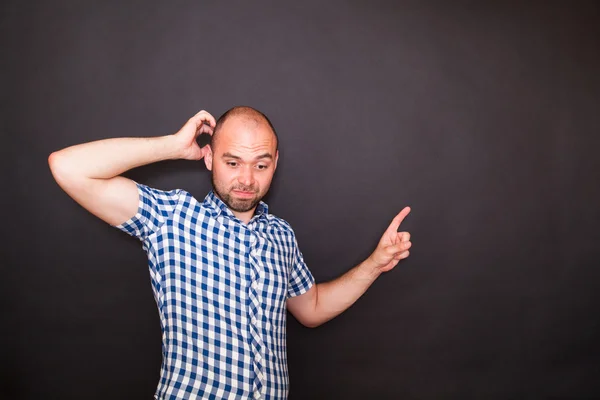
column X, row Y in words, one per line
column 223, row 270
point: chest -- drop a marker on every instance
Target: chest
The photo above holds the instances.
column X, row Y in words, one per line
column 218, row 259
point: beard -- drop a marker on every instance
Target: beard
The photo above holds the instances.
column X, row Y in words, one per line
column 236, row 204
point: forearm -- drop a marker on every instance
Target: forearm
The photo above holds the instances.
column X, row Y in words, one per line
column 104, row 159
column 337, row 296
column 324, row 301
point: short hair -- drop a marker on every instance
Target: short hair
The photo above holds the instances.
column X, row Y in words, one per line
column 246, row 112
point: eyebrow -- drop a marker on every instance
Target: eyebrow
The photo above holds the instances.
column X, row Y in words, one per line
column 265, row 155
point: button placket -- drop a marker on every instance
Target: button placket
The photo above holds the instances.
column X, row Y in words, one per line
column 257, row 342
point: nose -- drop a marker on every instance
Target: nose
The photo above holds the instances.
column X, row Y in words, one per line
column 246, row 177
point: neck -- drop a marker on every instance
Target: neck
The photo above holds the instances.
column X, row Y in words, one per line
column 245, row 217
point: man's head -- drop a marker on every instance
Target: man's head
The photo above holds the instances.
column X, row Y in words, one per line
column 243, row 158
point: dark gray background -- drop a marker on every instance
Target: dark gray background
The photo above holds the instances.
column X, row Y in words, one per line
column 483, row 118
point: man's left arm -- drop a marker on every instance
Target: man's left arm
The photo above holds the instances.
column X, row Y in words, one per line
column 325, row 301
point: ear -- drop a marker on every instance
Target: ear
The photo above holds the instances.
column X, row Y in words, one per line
column 208, row 157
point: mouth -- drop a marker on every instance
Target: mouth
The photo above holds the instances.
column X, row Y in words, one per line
column 243, row 194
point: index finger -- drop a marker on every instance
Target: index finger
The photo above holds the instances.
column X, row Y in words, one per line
column 398, row 220
column 204, row 116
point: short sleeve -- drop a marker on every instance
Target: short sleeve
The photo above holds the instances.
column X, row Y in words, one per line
column 301, row 279
column 154, row 208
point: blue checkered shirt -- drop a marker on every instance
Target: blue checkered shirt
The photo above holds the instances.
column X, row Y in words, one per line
column 221, row 288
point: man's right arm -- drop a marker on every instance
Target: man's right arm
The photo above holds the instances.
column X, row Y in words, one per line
column 89, row 172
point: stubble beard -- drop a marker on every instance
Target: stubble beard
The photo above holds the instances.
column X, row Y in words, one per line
column 237, row 205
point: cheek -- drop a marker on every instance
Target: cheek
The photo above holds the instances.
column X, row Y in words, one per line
column 222, row 175
column 265, row 181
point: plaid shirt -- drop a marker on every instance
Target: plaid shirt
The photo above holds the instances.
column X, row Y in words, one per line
column 221, row 288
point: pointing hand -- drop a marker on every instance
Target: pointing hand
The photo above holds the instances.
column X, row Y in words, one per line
column 393, row 245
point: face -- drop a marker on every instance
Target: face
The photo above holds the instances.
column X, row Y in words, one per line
column 242, row 163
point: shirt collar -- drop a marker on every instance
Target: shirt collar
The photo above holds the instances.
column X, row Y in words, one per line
column 218, row 207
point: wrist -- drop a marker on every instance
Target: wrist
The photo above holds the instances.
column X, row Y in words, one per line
column 169, row 147
column 370, row 268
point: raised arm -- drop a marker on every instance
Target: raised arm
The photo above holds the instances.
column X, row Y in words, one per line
column 325, row 301
column 89, row 172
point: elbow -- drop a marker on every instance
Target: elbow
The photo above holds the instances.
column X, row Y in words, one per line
column 55, row 164
column 60, row 170
column 52, row 160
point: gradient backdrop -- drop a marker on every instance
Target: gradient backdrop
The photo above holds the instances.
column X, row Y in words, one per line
column 485, row 119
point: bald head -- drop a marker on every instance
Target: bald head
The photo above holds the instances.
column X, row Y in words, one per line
column 242, row 157
column 249, row 116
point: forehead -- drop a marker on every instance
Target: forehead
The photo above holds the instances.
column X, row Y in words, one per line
column 245, row 135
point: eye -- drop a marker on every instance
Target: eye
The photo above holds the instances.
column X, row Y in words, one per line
column 261, row 166
column 232, row 163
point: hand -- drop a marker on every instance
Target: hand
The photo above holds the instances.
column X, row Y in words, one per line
column 393, row 245
column 186, row 137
